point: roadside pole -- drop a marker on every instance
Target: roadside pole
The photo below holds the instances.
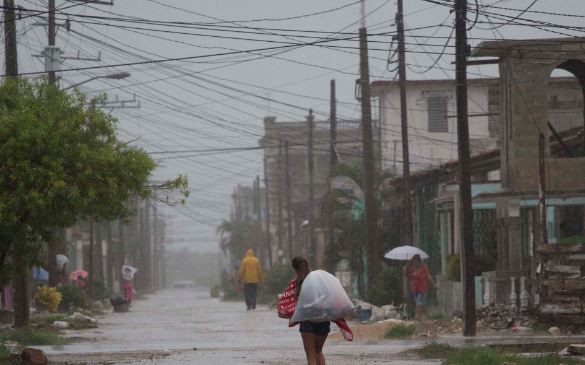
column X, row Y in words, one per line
column 371, row 217
column 21, row 277
column 289, row 219
column 267, row 206
column 333, row 157
column 280, row 233
column 465, row 209
column 407, row 237
column 311, row 251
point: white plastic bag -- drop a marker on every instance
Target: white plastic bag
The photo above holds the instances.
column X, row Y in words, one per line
column 322, row 299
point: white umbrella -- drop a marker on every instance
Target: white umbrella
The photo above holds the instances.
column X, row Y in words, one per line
column 405, row 253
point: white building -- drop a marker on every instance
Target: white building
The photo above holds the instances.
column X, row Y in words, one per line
column 432, row 122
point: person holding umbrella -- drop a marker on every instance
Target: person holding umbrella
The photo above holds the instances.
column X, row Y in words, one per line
column 419, row 277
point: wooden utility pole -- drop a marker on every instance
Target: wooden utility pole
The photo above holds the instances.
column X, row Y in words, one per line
column 267, row 195
column 371, row 217
column 91, row 259
column 148, row 265
column 542, row 191
column 258, row 212
column 333, row 125
column 10, row 54
column 311, row 251
column 21, row 272
column 280, row 226
column 407, row 237
column 465, row 208
column 110, row 257
column 289, row 220
column 52, row 33
column 333, row 153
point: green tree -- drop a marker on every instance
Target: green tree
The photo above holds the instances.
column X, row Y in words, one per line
column 344, row 205
column 61, row 162
column 242, row 234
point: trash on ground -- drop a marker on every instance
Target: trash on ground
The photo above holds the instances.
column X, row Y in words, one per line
column 78, row 317
column 60, row 325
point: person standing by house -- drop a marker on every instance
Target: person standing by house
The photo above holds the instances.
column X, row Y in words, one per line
column 250, row 275
column 419, row 277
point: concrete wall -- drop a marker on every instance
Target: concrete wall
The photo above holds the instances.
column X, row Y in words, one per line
column 430, row 148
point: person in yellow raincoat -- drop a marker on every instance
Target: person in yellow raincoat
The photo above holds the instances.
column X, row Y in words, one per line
column 250, row 275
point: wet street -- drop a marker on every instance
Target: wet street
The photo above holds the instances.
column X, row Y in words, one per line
column 187, row 326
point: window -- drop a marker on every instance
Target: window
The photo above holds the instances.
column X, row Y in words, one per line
column 437, row 113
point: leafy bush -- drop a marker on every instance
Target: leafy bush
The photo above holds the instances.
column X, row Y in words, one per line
column 215, row 291
column 4, row 354
column 400, row 331
column 73, row 297
column 97, row 290
column 31, row 337
column 386, row 287
column 275, row 281
column 48, row 298
column 487, row 356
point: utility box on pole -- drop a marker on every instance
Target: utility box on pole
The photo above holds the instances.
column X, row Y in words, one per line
column 52, row 58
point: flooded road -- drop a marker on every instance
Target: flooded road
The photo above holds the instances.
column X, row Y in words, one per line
column 186, row 326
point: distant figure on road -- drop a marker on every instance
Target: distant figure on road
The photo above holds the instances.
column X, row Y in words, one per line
column 419, row 277
column 128, row 284
column 250, row 275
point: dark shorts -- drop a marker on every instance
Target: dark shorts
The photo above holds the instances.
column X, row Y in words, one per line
column 322, row 328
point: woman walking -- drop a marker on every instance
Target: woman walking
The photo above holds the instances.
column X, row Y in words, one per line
column 313, row 334
column 419, row 276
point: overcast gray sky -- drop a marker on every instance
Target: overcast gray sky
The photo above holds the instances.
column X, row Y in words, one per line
column 218, row 102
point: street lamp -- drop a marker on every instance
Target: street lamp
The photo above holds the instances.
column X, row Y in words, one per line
column 115, row 76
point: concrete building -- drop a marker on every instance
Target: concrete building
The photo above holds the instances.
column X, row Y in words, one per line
column 348, row 148
column 519, row 258
column 432, row 118
column 531, row 116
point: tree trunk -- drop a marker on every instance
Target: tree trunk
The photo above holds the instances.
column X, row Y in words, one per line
column 99, row 254
column 91, row 268
column 20, row 280
column 110, row 257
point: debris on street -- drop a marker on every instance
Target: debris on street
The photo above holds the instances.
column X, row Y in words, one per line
column 501, row 317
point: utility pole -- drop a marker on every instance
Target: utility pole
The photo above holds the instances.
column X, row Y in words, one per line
column 110, row 257
column 279, row 203
column 333, row 125
column 267, row 194
column 465, row 209
column 91, row 261
column 288, row 200
column 311, row 214
column 148, row 265
column 258, row 213
column 52, row 35
column 52, row 249
column 542, row 191
column 407, row 216
column 21, row 272
column 333, row 152
column 371, row 219
column 10, row 54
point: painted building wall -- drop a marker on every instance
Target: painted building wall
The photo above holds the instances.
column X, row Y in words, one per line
column 429, row 148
